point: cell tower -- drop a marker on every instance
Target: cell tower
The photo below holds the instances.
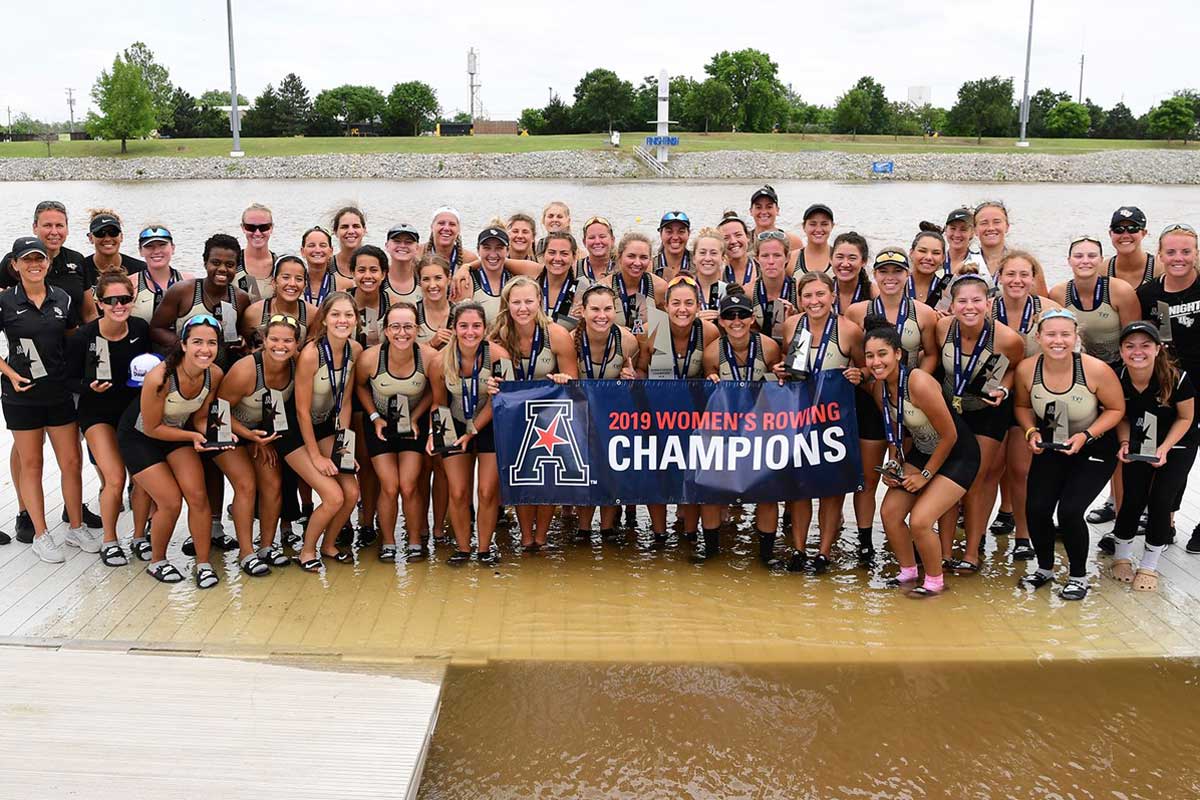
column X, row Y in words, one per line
column 472, row 71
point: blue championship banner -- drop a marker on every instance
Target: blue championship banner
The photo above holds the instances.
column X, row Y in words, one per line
column 595, row 443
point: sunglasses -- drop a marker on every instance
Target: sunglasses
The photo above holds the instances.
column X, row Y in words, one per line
column 107, row 233
column 263, row 228
column 117, row 300
column 737, row 313
column 767, row 236
column 991, row 204
column 284, row 319
column 1178, row 226
column 688, row 279
column 1122, row 229
column 1082, row 239
column 200, row 319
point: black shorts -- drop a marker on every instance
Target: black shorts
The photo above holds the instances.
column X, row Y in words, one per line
column 292, row 440
column 989, row 421
column 482, row 442
column 395, row 444
column 962, row 465
column 29, row 418
column 139, row 451
column 870, row 418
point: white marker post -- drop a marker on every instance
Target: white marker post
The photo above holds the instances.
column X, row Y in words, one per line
column 664, row 121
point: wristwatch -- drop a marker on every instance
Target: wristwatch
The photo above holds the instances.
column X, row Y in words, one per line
column 926, row 474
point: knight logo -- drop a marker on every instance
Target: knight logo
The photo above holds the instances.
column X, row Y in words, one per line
column 549, row 440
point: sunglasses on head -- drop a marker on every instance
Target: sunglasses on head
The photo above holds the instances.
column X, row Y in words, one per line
column 767, row 236
column 1129, row 228
column 117, row 300
column 991, row 204
column 688, row 279
column 285, row 319
column 737, row 313
column 597, row 221
column 1082, row 239
column 1178, row 226
column 155, row 233
column 200, row 319
column 107, row 233
column 249, row 227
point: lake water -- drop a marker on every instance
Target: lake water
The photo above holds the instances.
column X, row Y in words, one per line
column 1044, row 216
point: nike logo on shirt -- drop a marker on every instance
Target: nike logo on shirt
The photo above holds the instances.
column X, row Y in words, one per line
column 134, row 339
column 1097, row 460
column 22, row 311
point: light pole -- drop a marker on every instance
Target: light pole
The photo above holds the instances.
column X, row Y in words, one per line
column 235, row 121
column 1023, row 142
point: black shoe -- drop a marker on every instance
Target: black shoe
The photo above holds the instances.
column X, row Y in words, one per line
column 490, row 558
column 1193, row 545
column 630, row 516
column 798, row 561
column 1004, row 524
column 459, row 557
column 692, row 537
column 1023, row 550
column 367, row 536
column 709, row 550
column 346, row 535
column 866, row 548
column 24, row 528
column 819, row 564
column 4, row 538
column 766, row 548
column 90, row 519
column 1101, row 514
column 1107, row 544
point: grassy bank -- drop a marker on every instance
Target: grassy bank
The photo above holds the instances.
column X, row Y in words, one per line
column 690, row 142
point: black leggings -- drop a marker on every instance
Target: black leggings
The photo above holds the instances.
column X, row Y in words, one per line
column 1069, row 483
column 1157, row 488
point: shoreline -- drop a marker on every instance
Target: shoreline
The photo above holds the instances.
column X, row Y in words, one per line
column 1159, row 167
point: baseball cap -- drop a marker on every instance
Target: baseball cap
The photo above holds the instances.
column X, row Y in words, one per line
column 675, row 216
column 140, row 367
column 154, row 234
column 403, row 229
column 731, row 302
column 960, row 215
column 1141, row 326
column 493, row 233
column 24, row 245
column 102, row 221
column 1128, row 214
column 891, row 257
column 766, row 191
column 818, row 208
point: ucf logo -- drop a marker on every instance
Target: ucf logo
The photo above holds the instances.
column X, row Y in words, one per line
column 549, row 440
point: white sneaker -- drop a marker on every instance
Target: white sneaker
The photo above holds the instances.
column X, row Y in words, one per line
column 49, row 548
column 85, row 539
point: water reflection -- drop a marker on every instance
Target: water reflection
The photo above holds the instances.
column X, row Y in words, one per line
column 1117, row 729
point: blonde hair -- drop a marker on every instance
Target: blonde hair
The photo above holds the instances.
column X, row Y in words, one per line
column 257, row 207
column 557, row 204
column 1024, row 255
column 503, row 330
column 708, row 233
column 629, row 238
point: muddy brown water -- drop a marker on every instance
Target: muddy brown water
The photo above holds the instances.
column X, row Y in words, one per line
column 1126, row 730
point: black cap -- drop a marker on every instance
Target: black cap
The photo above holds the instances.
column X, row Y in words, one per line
column 960, row 215
column 1141, row 326
column 102, row 221
column 1127, row 214
column 766, row 191
column 818, row 208
column 404, row 229
column 891, row 257
column 733, row 301
column 155, row 233
column 25, row 245
column 675, row 216
column 493, row 233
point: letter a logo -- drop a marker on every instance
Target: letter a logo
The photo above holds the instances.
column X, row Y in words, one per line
column 549, row 440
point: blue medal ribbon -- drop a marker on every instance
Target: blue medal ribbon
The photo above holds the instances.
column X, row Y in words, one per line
column 1073, row 298
column 327, row 284
column 825, row 337
column 894, row 430
column 681, row 370
column 961, row 379
column 336, row 382
column 731, row 359
column 524, row 372
column 470, row 397
column 585, row 348
column 1026, row 313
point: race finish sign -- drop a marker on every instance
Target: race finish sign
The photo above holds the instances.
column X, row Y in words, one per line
column 883, row 167
column 615, row 442
column 662, row 141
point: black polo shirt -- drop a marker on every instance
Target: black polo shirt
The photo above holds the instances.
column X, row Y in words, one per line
column 131, row 265
column 1139, row 403
column 46, row 329
column 1185, row 319
column 66, row 272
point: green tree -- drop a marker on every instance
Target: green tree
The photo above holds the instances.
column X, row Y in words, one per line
column 852, row 112
column 192, row 121
column 879, row 116
column 1173, row 118
column 983, row 108
column 157, row 78
column 125, row 102
column 533, row 121
column 1068, row 120
column 1040, row 104
column 1119, row 123
column 645, row 101
column 294, row 106
column 218, row 98
column 558, row 116
column 411, row 107
column 264, row 118
column 1193, row 99
column 347, row 105
column 754, row 80
column 1096, row 117
column 602, row 100
column 710, row 102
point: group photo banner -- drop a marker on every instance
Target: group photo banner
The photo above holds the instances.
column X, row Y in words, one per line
column 597, row 443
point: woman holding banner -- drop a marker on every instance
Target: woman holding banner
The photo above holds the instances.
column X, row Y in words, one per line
column 836, row 344
column 541, row 350
column 744, row 355
column 928, row 477
column 599, row 336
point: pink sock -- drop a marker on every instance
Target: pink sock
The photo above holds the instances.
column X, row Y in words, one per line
column 934, row 583
column 908, row 573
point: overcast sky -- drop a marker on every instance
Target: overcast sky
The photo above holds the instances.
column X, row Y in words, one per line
column 1135, row 52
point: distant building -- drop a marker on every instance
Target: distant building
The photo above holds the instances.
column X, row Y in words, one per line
column 920, row 95
column 497, row 126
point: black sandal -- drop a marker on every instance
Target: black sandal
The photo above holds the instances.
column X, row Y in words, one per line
column 140, row 547
column 1035, row 580
column 798, row 561
column 274, row 556
column 1073, row 591
column 206, row 578
column 415, row 552
column 460, row 557
column 165, row 573
column 111, row 555
column 342, row 557
column 311, row 565
column 819, row 564
column 255, row 567
column 489, row 557
column 387, row 553
column 921, row 593
column 961, row 565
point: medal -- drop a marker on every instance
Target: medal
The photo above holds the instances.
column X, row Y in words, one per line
column 961, row 377
column 681, row 370
column 327, row 284
column 731, row 359
column 894, row 431
column 585, row 348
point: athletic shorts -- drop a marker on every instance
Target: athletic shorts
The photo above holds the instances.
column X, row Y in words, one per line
column 292, row 440
column 482, row 442
column 29, row 418
column 139, row 451
column 989, row 421
column 870, row 418
column 395, row 444
column 962, row 465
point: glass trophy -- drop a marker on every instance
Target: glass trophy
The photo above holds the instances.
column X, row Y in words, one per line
column 399, row 416
column 343, row 451
column 943, row 303
column 1054, row 428
column 369, row 320
column 99, row 364
column 796, row 365
column 562, row 312
column 714, row 294
column 227, row 314
column 1164, row 322
column 441, row 427
column 989, row 376
column 637, row 312
column 274, row 416
column 662, row 359
column 36, row 368
column 219, row 431
column 778, row 316
column 502, row 370
column 892, row 470
column 1143, row 439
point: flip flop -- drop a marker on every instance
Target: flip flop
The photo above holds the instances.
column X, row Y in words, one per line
column 1146, row 580
column 311, row 565
column 1121, row 570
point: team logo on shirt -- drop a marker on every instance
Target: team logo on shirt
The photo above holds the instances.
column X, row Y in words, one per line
column 549, row 441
